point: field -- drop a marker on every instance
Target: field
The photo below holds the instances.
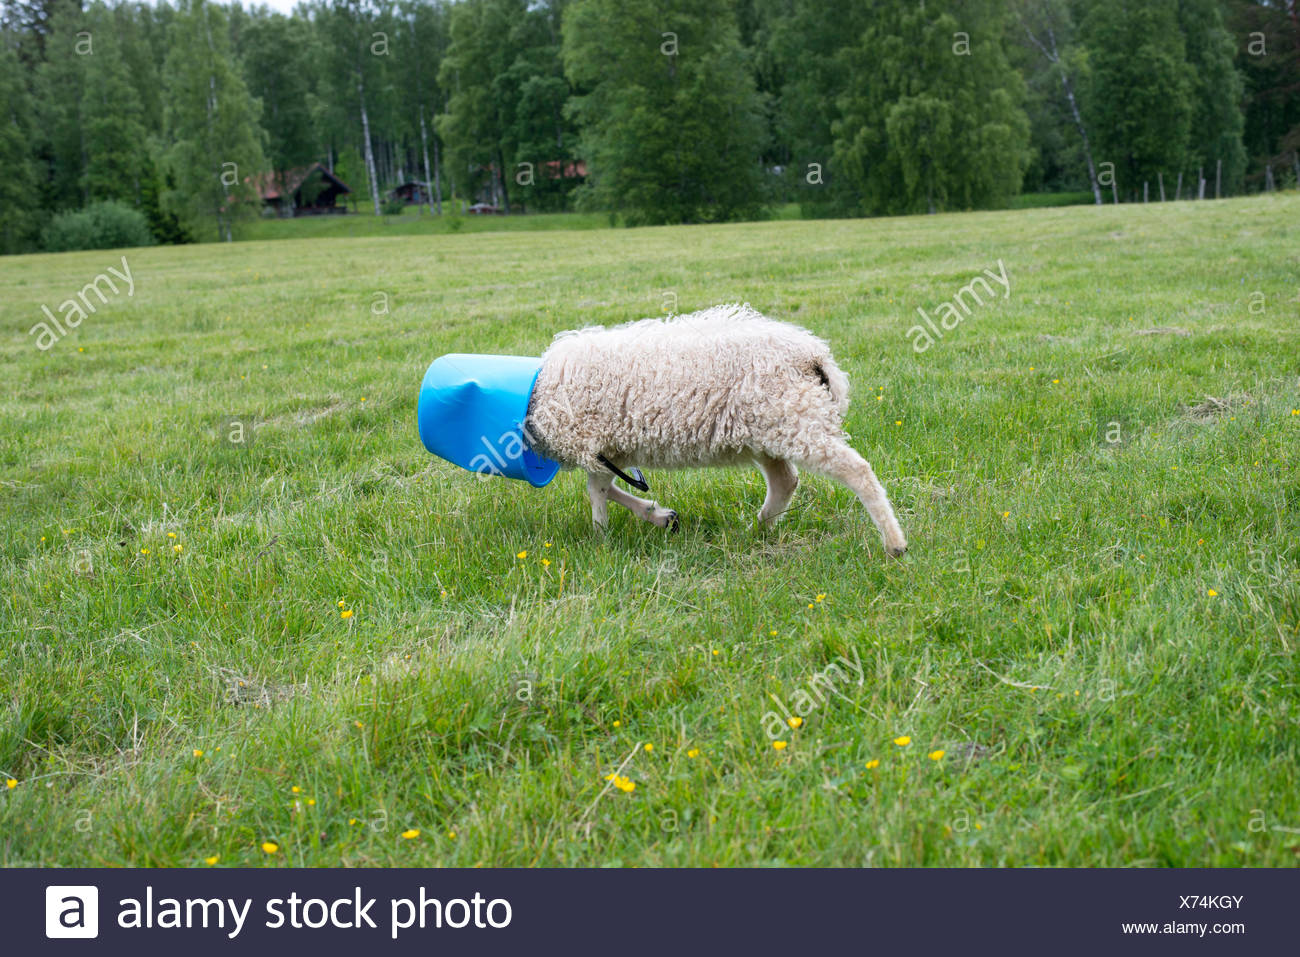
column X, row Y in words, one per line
column 323, row 646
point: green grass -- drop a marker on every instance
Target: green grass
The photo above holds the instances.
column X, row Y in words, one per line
column 1101, row 638
column 412, row 221
column 1039, row 200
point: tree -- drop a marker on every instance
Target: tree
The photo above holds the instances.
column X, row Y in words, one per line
column 671, row 124
column 1049, row 30
column 1139, row 96
column 1268, row 56
column 421, row 46
column 214, row 142
column 801, row 69
column 18, row 194
column 112, row 119
column 357, row 37
column 932, row 116
column 274, row 52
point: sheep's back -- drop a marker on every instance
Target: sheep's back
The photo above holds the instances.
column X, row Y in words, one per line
column 706, row 388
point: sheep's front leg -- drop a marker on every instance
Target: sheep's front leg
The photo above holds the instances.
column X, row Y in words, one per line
column 598, row 489
column 644, row 508
column 782, row 479
column 836, row 459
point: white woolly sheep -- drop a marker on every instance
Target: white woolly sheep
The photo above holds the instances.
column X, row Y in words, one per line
column 725, row 386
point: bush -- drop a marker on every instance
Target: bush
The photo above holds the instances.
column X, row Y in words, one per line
column 393, row 207
column 104, row 225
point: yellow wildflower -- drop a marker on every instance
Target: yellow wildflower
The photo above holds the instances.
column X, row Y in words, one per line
column 11, row 783
column 198, row 753
column 693, row 753
column 411, row 833
column 937, row 755
column 902, row 741
column 346, row 613
column 270, row 847
column 873, row 764
column 523, row 554
column 779, row 745
column 794, row 722
column 212, row 860
column 649, row 746
column 1212, row 593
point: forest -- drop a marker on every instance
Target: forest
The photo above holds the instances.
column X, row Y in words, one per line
column 131, row 123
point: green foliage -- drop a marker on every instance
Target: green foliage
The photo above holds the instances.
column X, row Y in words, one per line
column 19, row 197
column 108, row 224
column 211, row 122
column 672, row 125
column 932, row 118
column 1139, row 98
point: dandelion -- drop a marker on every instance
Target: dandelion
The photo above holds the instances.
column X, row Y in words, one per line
column 198, row 753
column 626, row 785
column 270, row 847
column 177, row 549
column 546, row 563
column 821, row 596
column 810, row 604
column 352, row 822
column 11, row 783
column 772, row 632
column 346, row 613
column 1056, row 382
column 779, row 745
column 411, row 833
column 171, row 534
column 212, row 860
column 1006, row 514
column 794, row 722
column 311, row 802
column 546, row 544
column 1212, row 593
column 903, row 741
column 873, row 764
column 452, row 835
column 649, row 746
column 522, row 555
column 618, row 724
column 693, row 753
column 898, row 422
column 937, row 755
column 295, row 789
column 715, row 652
column 144, row 551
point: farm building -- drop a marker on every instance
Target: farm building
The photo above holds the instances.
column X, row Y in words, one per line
column 412, row 193
column 304, row 191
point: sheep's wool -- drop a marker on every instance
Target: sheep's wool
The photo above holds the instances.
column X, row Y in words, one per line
column 714, row 387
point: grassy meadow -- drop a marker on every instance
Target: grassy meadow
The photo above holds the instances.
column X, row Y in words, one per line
column 323, row 646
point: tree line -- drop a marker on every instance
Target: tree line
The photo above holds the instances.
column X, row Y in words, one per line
column 658, row 111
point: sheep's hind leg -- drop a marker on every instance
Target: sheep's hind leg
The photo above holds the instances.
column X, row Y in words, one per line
column 644, row 508
column 838, row 460
column 782, row 479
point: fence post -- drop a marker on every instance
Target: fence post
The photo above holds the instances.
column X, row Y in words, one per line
column 1200, row 177
column 1178, row 192
column 1145, row 185
column 1268, row 177
column 1218, row 177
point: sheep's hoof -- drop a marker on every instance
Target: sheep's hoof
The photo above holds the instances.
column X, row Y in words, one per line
column 896, row 551
column 673, row 524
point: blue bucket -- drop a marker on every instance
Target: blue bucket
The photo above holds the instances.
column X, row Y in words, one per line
column 471, row 412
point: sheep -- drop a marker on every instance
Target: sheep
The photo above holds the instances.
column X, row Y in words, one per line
column 721, row 387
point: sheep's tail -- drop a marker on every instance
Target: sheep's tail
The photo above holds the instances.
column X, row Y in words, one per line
column 833, row 378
